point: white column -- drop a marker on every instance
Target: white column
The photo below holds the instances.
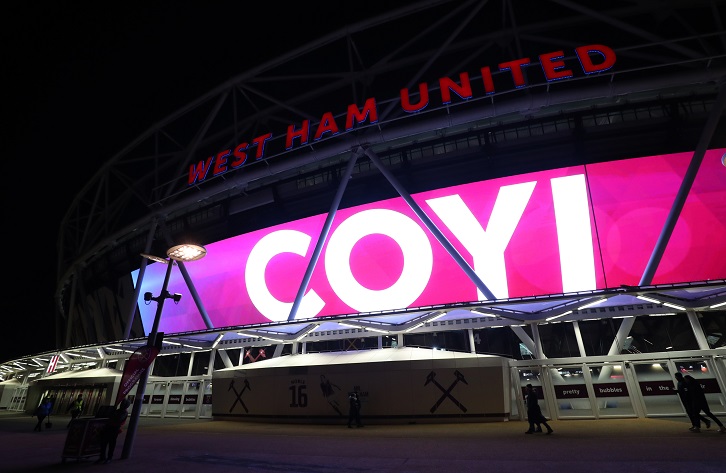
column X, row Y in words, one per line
column 617, row 346
column 697, row 329
column 224, row 356
column 539, row 354
column 528, row 342
column 191, row 363
column 578, row 336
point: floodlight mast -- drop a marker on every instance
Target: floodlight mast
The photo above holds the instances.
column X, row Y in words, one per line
column 175, row 253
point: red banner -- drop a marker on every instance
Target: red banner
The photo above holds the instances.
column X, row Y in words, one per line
column 136, row 365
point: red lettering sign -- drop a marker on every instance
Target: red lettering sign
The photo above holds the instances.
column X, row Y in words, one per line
column 594, row 58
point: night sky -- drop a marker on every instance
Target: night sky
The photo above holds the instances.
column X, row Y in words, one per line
column 83, row 79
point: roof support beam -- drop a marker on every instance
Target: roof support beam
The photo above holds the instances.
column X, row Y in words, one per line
column 707, row 134
column 323, row 236
column 430, row 225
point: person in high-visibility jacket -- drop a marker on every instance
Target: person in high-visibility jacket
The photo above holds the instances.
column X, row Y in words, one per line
column 76, row 409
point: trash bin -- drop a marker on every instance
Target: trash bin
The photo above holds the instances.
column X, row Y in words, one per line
column 82, row 440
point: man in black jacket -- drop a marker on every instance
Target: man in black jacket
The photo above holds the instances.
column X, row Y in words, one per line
column 534, row 412
column 109, row 434
column 698, row 404
column 354, row 412
column 683, row 393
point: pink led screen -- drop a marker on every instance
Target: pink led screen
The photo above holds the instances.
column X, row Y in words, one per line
column 571, row 229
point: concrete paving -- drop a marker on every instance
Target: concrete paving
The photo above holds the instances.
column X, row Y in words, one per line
column 661, row 445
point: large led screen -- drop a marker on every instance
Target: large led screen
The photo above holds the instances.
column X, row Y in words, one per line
column 571, row 229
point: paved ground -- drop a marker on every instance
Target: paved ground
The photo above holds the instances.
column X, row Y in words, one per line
column 214, row 446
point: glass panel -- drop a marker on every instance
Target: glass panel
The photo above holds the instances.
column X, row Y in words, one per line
column 17, row 402
column 661, row 333
column 571, row 392
column 598, row 335
column 232, row 355
column 558, row 340
column 154, row 404
column 456, row 340
column 714, row 327
column 191, row 399
column 611, row 392
column 533, row 376
column 513, row 395
column 200, row 363
column 172, row 365
column 498, row 341
column 206, row 409
column 657, row 389
column 165, row 365
column 174, row 403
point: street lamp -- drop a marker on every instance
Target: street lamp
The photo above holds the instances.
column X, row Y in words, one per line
column 175, row 253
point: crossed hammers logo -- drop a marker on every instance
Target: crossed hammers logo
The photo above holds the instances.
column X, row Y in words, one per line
column 446, row 392
column 239, row 395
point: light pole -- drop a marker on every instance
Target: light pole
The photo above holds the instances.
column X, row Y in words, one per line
column 176, row 253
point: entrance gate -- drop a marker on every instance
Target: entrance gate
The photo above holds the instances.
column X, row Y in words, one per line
column 615, row 388
column 178, row 398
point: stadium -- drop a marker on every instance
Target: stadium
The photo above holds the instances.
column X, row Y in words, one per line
column 505, row 193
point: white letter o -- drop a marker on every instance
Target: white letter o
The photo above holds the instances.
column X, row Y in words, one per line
column 417, row 260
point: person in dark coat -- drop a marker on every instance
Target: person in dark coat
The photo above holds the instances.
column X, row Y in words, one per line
column 534, row 412
column 109, row 434
column 76, row 408
column 683, row 394
column 354, row 412
column 41, row 413
column 698, row 404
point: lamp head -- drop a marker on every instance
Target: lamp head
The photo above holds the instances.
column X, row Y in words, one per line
column 148, row 297
column 186, row 252
column 151, row 257
column 177, row 297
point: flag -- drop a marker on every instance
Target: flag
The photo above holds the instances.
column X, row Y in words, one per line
column 135, row 367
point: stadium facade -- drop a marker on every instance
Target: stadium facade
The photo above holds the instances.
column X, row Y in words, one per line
column 433, row 207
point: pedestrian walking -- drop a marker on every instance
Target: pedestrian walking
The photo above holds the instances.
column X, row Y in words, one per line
column 110, row 432
column 41, row 412
column 683, row 394
column 76, row 408
column 698, row 404
column 354, row 412
column 534, row 412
